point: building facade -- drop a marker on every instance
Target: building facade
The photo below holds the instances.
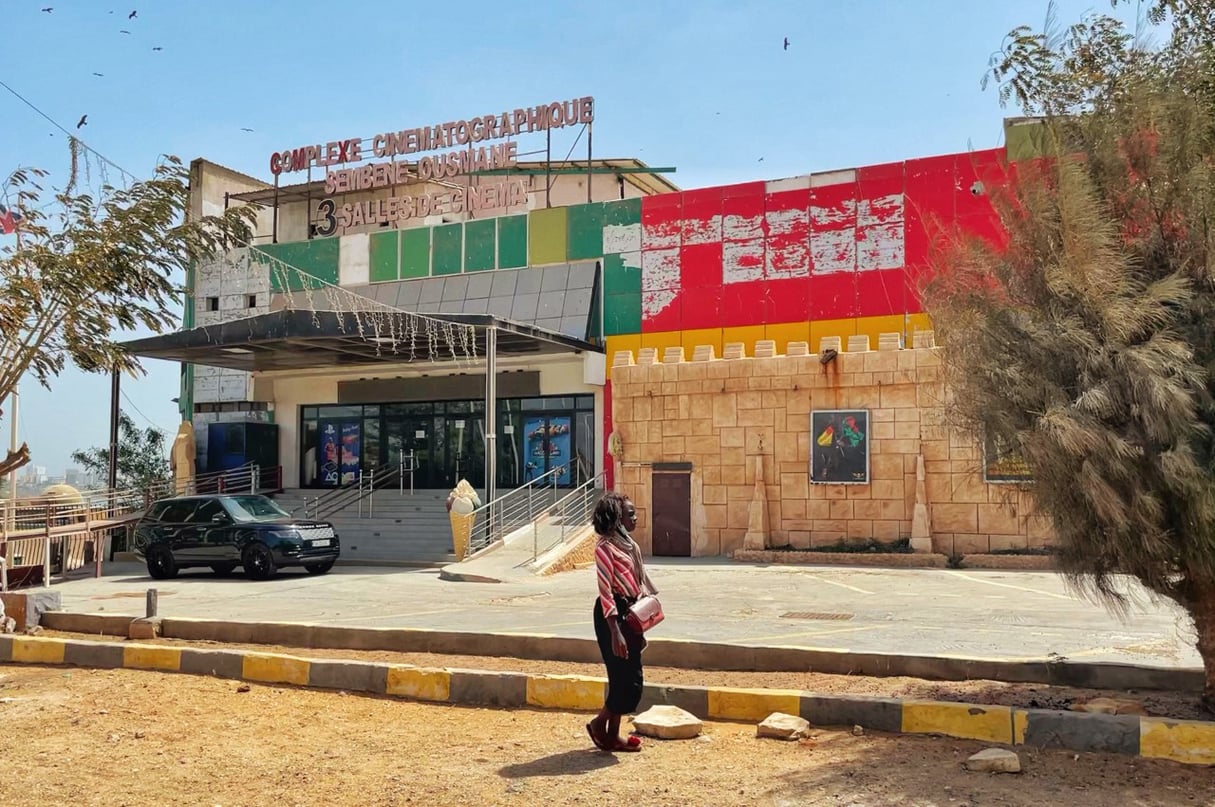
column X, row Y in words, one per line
column 616, row 258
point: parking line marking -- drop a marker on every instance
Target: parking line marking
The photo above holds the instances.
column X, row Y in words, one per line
column 841, row 585
column 1015, row 588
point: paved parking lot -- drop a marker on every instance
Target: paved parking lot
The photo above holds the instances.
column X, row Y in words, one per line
column 1001, row 615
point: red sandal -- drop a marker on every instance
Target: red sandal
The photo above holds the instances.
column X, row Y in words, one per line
column 631, row 743
column 598, row 739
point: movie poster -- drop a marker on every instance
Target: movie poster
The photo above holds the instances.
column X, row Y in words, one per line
column 351, row 449
column 330, row 456
column 1002, row 464
column 548, row 447
column 839, row 446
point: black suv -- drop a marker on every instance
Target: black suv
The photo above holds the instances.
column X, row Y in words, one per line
column 224, row 532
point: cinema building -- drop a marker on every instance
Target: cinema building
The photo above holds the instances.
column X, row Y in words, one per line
column 571, row 264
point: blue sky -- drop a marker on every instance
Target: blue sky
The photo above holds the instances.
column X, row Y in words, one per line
column 711, row 92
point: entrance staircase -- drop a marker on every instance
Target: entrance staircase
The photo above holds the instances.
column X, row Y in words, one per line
column 386, row 526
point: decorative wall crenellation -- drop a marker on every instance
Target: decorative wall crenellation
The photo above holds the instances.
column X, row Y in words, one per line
column 740, row 416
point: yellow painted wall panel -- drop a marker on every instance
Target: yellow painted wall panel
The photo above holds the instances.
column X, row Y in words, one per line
column 785, row 332
column 661, row 340
column 843, row 328
column 747, row 334
column 694, row 338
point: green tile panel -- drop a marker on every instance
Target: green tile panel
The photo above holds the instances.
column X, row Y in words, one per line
column 622, row 212
column 547, row 236
column 621, row 314
column 585, row 233
column 622, row 273
column 385, row 256
column 479, row 245
column 415, row 252
column 318, row 258
column 447, row 249
column 512, row 242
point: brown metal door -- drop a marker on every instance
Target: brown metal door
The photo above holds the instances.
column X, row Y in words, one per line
column 672, row 514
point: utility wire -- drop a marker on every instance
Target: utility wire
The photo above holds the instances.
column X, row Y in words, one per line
column 156, row 426
column 60, row 127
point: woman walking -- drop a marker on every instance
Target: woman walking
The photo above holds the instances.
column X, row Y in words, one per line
column 622, row 580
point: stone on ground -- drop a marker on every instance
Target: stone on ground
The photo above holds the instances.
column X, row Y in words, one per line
column 780, row 726
column 667, row 723
column 994, row 760
column 1110, row 706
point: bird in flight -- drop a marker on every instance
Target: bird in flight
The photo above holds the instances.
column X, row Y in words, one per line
column 157, row 48
column 84, row 120
column 124, row 31
column 49, row 9
column 102, row 75
column 132, row 15
column 244, row 129
column 786, row 43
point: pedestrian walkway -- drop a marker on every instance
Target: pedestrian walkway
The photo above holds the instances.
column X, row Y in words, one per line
column 985, row 614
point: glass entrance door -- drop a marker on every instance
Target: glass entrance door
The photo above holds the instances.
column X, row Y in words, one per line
column 465, row 450
column 417, row 435
column 340, row 452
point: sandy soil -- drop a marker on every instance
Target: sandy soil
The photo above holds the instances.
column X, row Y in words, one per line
column 121, row 737
column 1177, row 705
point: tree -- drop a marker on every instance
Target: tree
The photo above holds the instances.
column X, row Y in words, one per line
column 143, row 456
column 85, row 268
column 1086, row 342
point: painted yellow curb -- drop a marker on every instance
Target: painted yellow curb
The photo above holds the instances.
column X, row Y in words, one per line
column 566, row 692
column 1186, row 741
column 726, row 703
column 419, row 683
column 963, row 720
column 274, row 669
column 150, row 657
column 31, row 650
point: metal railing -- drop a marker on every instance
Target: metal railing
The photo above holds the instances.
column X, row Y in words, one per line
column 566, row 516
column 45, row 530
column 361, row 491
column 519, row 507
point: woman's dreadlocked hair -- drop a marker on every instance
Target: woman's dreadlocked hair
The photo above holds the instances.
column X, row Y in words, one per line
column 608, row 513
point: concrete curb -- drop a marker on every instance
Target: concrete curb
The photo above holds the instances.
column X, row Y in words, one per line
column 1185, row 741
column 676, row 653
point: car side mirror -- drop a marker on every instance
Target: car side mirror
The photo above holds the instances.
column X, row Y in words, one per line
column 219, row 518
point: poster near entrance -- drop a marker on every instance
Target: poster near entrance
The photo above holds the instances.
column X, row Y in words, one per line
column 548, row 447
column 351, row 450
column 331, row 463
column 841, row 446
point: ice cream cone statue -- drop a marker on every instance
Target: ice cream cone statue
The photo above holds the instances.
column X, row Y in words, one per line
column 181, row 458
column 461, row 503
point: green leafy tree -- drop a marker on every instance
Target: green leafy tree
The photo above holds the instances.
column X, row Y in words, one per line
column 86, row 268
column 143, row 456
column 1086, row 341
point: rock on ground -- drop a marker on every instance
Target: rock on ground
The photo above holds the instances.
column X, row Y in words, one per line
column 780, row 726
column 1110, row 706
column 994, row 760
column 667, row 723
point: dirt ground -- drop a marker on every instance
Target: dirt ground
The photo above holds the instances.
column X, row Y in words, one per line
column 121, row 737
column 1177, row 705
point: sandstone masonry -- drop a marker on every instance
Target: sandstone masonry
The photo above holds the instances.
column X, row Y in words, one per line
column 734, row 417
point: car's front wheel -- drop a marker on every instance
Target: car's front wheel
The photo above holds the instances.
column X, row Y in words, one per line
column 318, row 568
column 259, row 562
column 161, row 564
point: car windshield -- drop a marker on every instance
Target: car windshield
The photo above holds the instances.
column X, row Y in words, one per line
column 254, row 508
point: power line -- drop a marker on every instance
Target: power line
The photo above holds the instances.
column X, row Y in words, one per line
column 156, row 426
column 61, row 128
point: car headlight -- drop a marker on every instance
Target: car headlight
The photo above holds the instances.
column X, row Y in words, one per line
column 285, row 535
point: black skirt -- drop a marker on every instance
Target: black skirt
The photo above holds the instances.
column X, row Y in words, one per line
column 625, row 678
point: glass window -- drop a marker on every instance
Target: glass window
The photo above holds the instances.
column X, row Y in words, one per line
column 178, row 512
column 459, row 407
column 350, row 411
column 401, row 409
column 206, row 512
column 309, row 446
column 371, row 410
column 309, row 413
column 254, row 508
column 371, row 443
column 585, row 401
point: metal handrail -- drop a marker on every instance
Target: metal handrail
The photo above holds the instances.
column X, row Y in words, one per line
column 573, row 508
column 518, row 507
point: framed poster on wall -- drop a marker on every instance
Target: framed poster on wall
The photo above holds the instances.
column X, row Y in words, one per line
column 839, row 443
column 1002, row 463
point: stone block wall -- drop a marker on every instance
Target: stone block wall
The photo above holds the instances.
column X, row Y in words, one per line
column 734, row 417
